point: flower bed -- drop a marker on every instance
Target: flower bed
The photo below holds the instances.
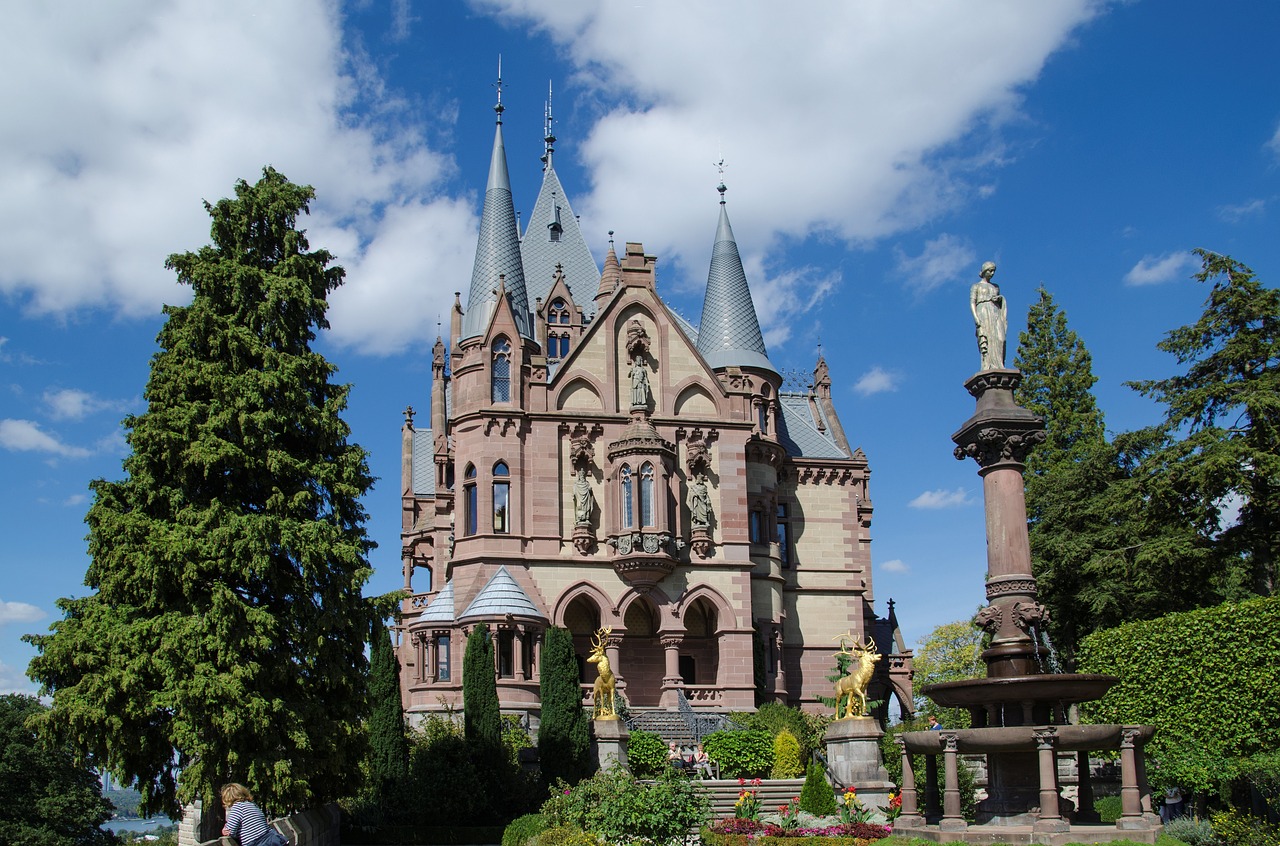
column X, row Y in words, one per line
column 746, row 832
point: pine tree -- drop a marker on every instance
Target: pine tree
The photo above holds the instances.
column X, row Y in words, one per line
column 223, row 635
column 481, row 717
column 1226, row 407
column 564, row 741
column 388, row 743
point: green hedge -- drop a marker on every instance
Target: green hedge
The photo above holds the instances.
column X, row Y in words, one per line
column 521, row 830
column 394, row 835
column 1207, row 681
column 647, row 754
column 742, row 754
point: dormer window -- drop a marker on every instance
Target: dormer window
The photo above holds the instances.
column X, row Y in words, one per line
column 555, row 229
column 559, row 312
column 501, row 390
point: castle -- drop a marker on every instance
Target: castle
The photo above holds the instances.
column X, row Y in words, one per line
column 594, row 461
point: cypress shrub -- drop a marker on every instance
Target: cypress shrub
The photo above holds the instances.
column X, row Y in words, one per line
column 786, row 756
column 817, row 797
column 388, row 743
column 481, row 718
column 564, row 740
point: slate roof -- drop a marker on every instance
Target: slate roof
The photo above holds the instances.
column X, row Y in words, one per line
column 798, row 433
column 502, row 596
column 424, row 463
column 729, row 332
column 541, row 254
column 441, row 608
column 497, row 251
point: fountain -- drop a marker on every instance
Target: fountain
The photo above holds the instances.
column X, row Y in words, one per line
column 1019, row 712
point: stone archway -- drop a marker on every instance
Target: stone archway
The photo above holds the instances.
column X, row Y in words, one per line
column 700, row 650
column 640, row 654
column 582, row 619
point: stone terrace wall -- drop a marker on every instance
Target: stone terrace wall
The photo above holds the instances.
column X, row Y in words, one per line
column 316, row 827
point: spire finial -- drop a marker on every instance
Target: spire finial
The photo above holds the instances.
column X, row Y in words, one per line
column 611, row 239
column 548, row 134
column 721, row 187
column 499, row 108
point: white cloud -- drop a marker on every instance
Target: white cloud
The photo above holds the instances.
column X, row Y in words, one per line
column 876, row 380
column 122, row 118
column 1155, row 270
column 125, row 115
column 73, row 404
column 1274, row 143
column 18, row 612
column 75, row 499
column 14, row 681
column 941, row 499
column 27, row 436
column 943, row 259
column 1237, row 213
column 895, row 565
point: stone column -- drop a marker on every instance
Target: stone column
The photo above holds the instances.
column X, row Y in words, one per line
column 853, row 754
column 1050, row 816
column 1130, row 796
column 932, row 803
column 779, row 667
column 1085, row 812
column 671, row 680
column 911, row 816
column 517, row 654
column 952, row 818
column 537, row 656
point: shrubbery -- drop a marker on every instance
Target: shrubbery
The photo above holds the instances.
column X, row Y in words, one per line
column 742, row 754
column 617, row 808
column 1192, row 830
column 1238, row 829
column 521, row 830
column 647, row 754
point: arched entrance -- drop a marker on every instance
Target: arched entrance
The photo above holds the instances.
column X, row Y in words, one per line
column 640, row 656
column 700, row 650
column 582, row 619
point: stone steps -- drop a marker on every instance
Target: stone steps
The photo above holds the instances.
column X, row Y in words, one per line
column 772, row 793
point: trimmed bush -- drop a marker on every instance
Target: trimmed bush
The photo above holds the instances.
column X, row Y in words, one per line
column 647, row 754
column 1193, row 831
column 1108, row 808
column 817, row 797
column 522, row 830
column 742, row 754
column 786, row 756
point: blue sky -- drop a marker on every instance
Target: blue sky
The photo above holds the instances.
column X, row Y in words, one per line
column 876, row 154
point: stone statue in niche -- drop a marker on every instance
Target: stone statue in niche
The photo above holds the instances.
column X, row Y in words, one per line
column 699, row 503
column 990, row 317
column 639, row 384
column 584, row 501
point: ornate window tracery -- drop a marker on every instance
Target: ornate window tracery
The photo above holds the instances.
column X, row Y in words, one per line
column 501, row 388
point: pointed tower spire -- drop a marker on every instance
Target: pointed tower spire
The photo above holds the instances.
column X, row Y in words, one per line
column 553, row 237
column 611, row 277
column 729, row 334
column 498, row 247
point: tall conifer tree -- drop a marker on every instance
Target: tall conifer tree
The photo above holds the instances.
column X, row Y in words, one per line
column 1223, row 419
column 222, row 637
column 564, row 740
column 388, row 743
column 481, row 716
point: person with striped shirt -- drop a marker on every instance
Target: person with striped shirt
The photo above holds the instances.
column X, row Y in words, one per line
column 245, row 820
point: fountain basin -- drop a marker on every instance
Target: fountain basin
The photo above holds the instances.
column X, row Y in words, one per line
column 1070, row 738
column 1058, row 688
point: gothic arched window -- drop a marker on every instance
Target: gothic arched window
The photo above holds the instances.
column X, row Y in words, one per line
column 628, row 498
column 501, row 498
column 470, row 517
column 501, row 370
column 559, row 311
column 646, row 495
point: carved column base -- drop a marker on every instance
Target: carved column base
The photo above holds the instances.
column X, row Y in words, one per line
column 584, row 539
column 701, row 542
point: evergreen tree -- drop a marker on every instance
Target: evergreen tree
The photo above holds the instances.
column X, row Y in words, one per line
column 950, row 652
column 564, row 740
column 223, row 635
column 1102, row 552
column 50, row 798
column 388, row 743
column 1226, row 408
column 481, row 718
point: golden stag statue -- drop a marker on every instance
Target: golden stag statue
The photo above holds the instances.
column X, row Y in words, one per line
column 602, row 693
column 854, row 686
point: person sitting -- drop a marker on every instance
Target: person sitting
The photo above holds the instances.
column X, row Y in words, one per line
column 701, row 762
column 674, row 757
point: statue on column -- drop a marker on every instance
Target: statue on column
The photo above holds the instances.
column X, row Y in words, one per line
column 602, row 693
column 852, row 688
column 990, row 317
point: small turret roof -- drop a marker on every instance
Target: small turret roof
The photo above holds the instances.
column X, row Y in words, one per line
column 729, row 334
column 502, row 596
column 441, row 608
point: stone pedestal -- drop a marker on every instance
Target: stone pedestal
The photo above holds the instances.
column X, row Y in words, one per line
column 609, row 744
column 853, row 753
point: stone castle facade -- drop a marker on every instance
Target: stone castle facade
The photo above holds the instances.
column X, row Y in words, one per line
column 593, row 460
